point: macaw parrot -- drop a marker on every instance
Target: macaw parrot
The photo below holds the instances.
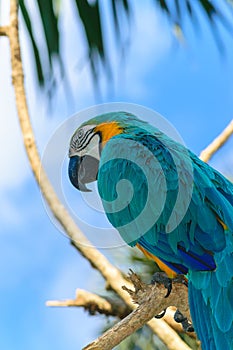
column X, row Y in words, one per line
column 164, row 200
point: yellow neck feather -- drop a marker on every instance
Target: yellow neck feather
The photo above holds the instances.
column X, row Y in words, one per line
column 108, row 130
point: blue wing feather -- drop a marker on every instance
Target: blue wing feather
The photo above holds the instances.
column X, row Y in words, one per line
column 200, row 232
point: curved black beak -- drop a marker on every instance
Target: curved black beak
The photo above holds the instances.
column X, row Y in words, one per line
column 83, row 170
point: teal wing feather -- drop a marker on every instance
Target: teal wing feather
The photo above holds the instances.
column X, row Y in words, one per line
column 213, row 292
column 154, row 194
column 199, row 244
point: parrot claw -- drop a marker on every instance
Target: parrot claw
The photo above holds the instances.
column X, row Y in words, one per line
column 180, row 318
column 161, row 314
column 161, row 278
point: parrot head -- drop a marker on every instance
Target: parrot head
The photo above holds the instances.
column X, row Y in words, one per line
column 87, row 143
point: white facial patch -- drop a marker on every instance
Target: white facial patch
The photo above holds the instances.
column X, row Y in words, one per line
column 92, row 149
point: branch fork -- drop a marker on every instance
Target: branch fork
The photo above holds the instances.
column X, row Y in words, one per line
column 151, row 300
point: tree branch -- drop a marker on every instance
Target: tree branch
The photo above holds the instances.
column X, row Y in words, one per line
column 95, row 304
column 105, row 305
column 218, row 142
column 151, row 300
column 111, row 274
column 4, row 30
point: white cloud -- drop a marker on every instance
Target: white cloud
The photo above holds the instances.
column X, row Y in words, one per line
column 15, row 169
column 149, row 42
column 150, row 39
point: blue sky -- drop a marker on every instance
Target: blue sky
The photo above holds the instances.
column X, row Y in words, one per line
column 191, row 84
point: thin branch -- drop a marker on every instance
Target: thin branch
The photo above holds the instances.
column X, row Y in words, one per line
column 107, row 306
column 4, row 30
column 111, row 274
column 95, row 304
column 151, row 302
column 218, row 142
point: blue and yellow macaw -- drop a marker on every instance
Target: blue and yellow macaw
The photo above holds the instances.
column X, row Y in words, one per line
column 144, row 179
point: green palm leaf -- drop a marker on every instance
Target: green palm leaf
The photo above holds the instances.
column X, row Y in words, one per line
column 92, row 18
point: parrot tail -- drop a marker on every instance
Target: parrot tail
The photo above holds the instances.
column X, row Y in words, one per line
column 211, row 305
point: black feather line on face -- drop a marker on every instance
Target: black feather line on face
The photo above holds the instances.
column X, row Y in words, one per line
column 79, row 145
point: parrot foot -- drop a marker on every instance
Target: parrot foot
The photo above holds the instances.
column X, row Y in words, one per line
column 180, row 279
column 180, row 318
column 161, row 278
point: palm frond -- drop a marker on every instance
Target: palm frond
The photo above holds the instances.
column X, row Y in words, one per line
column 92, row 18
column 38, row 64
